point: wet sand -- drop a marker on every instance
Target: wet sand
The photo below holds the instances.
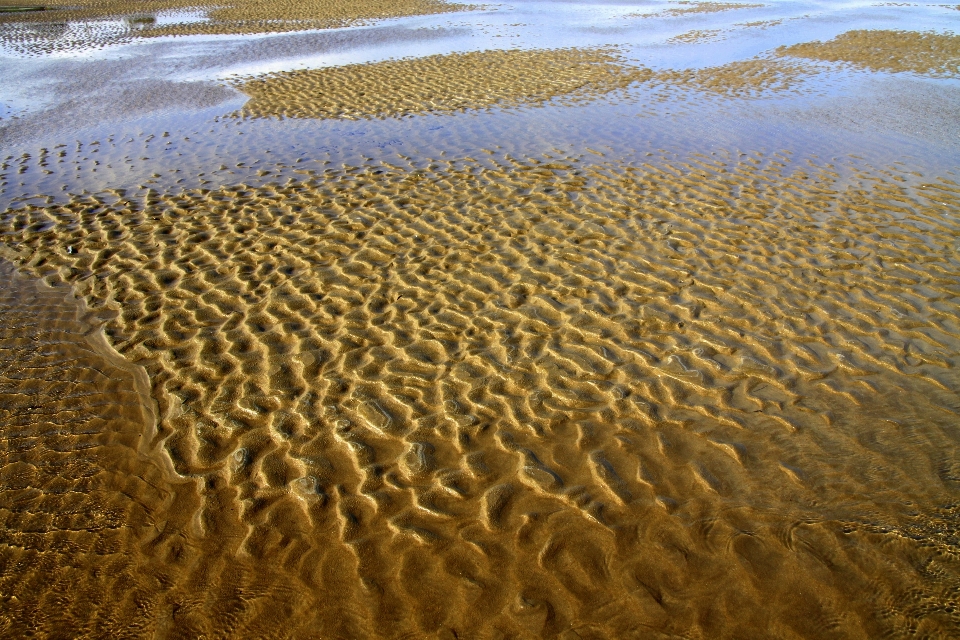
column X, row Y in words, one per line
column 512, row 78
column 896, row 51
column 501, row 79
column 243, row 16
column 709, row 392
column 455, row 82
column 86, row 494
column 528, row 392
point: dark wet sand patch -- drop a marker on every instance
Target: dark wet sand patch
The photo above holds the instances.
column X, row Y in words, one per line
column 81, row 494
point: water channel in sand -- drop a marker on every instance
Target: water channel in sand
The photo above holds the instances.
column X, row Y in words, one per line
column 517, row 320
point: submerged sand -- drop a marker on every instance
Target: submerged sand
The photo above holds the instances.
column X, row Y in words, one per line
column 517, row 397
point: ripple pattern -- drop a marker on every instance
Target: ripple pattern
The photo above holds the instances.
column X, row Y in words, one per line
column 526, row 398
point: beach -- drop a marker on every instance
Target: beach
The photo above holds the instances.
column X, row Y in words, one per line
column 529, row 320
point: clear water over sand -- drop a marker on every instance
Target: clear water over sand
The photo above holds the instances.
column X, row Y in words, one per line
column 553, row 319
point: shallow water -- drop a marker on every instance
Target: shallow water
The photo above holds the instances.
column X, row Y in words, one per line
column 638, row 326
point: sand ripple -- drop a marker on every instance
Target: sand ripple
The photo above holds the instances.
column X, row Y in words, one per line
column 36, row 31
column 502, row 79
column 440, row 83
column 86, row 500
column 926, row 53
column 502, row 397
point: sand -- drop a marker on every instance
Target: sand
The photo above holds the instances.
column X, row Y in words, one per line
column 512, row 78
column 85, row 492
column 499, row 79
column 242, row 16
column 687, row 8
column 546, row 394
column 929, row 53
column 441, row 83
column 476, row 394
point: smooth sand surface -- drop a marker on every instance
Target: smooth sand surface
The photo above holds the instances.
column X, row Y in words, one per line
column 451, row 390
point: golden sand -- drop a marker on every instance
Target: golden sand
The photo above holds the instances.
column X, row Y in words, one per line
column 84, row 494
column 238, row 16
column 502, row 79
column 440, row 83
column 697, row 36
column 925, row 53
column 503, row 398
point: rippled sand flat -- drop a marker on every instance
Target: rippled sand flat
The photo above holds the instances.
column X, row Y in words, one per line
column 241, row 16
column 584, row 341
column 548, row 395
column 511, row 78
column 928, row 53
column 454, row 82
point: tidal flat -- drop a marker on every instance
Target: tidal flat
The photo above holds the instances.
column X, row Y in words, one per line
column 531, row 319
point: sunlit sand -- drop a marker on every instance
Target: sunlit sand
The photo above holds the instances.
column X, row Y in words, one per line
column 433, row 320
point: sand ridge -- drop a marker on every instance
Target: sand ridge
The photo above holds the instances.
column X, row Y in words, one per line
column 753, row 78
column 697, row 36
column 545, row 394
column 512, row 78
